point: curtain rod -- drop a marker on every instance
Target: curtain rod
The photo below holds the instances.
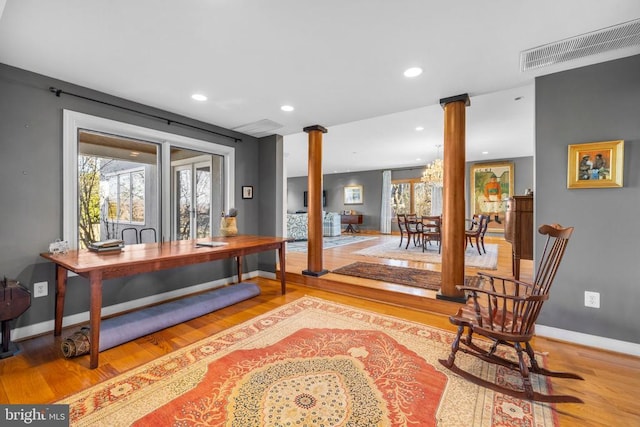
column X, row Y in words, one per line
column 58, row 92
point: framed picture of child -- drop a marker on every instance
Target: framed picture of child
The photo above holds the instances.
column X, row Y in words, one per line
column 595, row 165
column 491, row 186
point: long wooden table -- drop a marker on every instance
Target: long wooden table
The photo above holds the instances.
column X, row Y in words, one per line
column 144, row 258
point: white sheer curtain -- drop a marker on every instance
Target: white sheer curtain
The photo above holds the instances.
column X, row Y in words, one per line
column 436, row 200
column 385, row 210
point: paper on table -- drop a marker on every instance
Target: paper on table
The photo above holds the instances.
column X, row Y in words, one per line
column 211, row 244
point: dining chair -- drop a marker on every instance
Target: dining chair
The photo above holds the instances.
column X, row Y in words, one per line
column 148, row 235
column 410, row 228
column 476, row 231
column 431, row 231
column 129, row 235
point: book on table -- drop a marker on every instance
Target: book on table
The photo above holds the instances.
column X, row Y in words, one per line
column 106, row 245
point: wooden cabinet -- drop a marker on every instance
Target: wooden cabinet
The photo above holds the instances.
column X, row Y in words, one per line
column 351, row 221
column 519, row 230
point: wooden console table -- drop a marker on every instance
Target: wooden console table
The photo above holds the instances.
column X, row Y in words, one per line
column 144, row 258
column 351, row 220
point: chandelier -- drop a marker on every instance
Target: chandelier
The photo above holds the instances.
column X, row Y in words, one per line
column 434, row 173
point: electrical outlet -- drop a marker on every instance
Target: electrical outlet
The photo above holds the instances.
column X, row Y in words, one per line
column 40, row 289
column 592, row 299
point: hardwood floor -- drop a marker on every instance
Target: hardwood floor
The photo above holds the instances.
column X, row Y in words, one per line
column 39, row 373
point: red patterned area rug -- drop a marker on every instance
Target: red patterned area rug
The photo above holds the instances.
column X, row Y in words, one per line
column 416, row 277
column 311, row 363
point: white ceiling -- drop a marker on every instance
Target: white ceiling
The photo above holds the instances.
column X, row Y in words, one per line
column 339, row 63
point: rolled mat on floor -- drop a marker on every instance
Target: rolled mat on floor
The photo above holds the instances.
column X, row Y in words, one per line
column 120, row 329
column 76, row 344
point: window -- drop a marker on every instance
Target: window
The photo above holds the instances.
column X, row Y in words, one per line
column 117, row 175
column 410, row 196
column 117, row 186
column 125, row 197
column 194, row 188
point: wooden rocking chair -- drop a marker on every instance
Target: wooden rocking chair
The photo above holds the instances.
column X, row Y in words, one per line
column 505, row 310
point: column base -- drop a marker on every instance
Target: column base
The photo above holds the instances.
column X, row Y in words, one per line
column 314, row 273
column 461, row 300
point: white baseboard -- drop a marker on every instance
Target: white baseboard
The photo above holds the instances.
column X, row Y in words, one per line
column 80, row 318
column 267, row 274
column 589, row 340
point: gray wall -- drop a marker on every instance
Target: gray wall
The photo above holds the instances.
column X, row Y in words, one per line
column 31, row 190
column 268, row 201
column 334, row 184
column 596, row 103
column 372, row 185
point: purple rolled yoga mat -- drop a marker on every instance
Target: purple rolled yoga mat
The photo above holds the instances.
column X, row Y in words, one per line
column 120, row 329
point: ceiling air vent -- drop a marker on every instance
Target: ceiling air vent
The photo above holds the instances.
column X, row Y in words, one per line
column 259, row 129
column 600, row 41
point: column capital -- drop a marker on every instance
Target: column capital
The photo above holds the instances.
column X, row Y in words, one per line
column 464, row 97
column 315, row 127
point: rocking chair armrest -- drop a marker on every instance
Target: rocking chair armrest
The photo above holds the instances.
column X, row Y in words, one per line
column 492, row 293
column 494, row 277
column 505, row 278
column 497, row 311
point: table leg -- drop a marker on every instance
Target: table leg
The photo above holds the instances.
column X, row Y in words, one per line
column 61, row 289
column 239, row 268
column 6, row 336
column 95, row 310
column 283, row 274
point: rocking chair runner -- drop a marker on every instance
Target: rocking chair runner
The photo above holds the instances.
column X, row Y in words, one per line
column 505, row 311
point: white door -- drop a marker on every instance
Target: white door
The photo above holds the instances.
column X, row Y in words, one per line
column 192, row 200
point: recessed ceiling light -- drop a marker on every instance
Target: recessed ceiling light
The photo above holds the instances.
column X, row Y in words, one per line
column 198, row 97
column 287, row 108
column 413, row 72
column 418, row 159
column 485, row 152
column 419, row 128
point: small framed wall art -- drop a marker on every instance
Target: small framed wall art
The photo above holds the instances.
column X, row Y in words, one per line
column 595, row 164
column 353, row 195
column 247, row 191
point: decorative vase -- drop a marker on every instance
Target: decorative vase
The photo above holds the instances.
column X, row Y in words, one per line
column 228, row 226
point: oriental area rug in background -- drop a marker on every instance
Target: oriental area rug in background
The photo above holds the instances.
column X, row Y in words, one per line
column 311, row 362
column 391, row 250
column 328, row 242
column 415, row 277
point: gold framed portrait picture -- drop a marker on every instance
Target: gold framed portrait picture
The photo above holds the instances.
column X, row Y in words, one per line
column 595, row 164
column 491, row 186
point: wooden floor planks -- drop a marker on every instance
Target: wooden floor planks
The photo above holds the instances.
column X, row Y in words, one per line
column 39, row 373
